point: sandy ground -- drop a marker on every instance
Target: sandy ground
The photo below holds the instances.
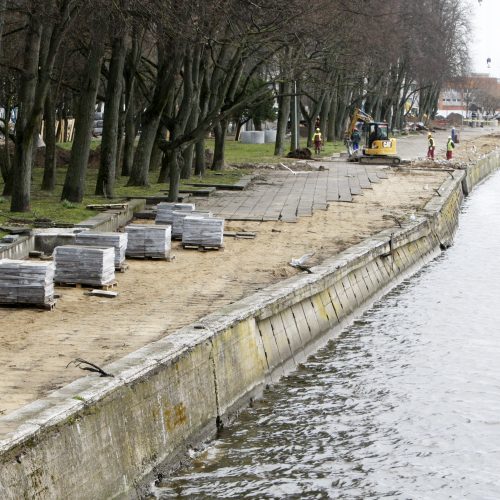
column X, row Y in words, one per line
column 157, row 297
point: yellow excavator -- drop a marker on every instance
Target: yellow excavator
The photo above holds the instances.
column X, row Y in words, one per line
column 375, row 145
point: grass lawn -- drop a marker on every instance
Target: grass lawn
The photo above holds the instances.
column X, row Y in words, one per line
column 236, row 152
column 48, row 205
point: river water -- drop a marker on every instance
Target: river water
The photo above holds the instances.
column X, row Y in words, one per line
column 404, row 404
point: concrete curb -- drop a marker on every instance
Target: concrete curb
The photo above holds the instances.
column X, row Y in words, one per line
column 99, row 437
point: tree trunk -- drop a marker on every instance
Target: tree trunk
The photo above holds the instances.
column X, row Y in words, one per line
column 139, row 176
column 130, row 126
column 188, row 155
column 109, row 146
column 163, row 176
column 130, row 129
column 165, row 86
column 220, row 142
column 157, row 153
column 199, row 165
column 283, row 115
column 74, row 184
column 324, row 114
column 175, row 164
column 6, row 163
column 49, row 137
column 121, row 137
column 129, row 144
column 330, row 131
column 3, row 4
column 25, row 125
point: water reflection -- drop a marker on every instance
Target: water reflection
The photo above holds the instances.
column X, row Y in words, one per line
column 405, row 404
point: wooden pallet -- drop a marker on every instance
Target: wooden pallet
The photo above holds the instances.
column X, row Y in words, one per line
column 107, row 286
column 122, row 268
column 170, row 258
column 49, row 306
column 201, row 248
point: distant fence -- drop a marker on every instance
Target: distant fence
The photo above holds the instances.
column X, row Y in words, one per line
column 65, row 130
column 480, row 123
column 471, row 122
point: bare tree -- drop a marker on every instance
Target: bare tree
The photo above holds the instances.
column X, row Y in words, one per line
column 45, row 30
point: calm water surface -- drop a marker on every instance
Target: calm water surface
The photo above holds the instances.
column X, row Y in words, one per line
column 405, row 404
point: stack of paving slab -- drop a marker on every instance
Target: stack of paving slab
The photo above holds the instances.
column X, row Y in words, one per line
column 178, row 222
column 118, row 241
column 148, row 240
column 164, row 211
column 26, row 282
column 86, row 265
column 203, row 232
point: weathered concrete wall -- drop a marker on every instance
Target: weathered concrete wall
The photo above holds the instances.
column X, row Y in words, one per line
column 96, row 438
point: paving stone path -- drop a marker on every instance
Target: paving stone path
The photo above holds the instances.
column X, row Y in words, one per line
column 286, row 196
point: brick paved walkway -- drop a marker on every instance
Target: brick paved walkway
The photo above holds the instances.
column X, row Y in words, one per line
column 286, row 196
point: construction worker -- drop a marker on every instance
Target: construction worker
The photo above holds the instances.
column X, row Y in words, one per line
column 453, row 134
column 356, row 139
column 318, row 141
column 431, row 148
column 450, row 146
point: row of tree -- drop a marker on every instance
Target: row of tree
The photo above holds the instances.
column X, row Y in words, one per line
column 169, row 72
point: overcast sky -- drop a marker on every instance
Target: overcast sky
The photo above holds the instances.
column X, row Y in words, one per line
column 486, row 36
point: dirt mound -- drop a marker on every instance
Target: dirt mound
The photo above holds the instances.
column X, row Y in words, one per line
column 301, row 154
column 64, row 155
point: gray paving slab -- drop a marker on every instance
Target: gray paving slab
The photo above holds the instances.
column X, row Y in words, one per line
column 374, row 178
column 363, row 178
column 287, row 196
column 354, row 184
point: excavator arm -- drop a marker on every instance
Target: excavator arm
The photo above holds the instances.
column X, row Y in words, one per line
column 358, row 116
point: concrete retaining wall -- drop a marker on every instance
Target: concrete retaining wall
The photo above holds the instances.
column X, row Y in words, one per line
column 480, row 171
column 111, row 220
column 97, row 437
column 19, row 249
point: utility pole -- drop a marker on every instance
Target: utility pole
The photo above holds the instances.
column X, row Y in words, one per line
column 295, row 142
